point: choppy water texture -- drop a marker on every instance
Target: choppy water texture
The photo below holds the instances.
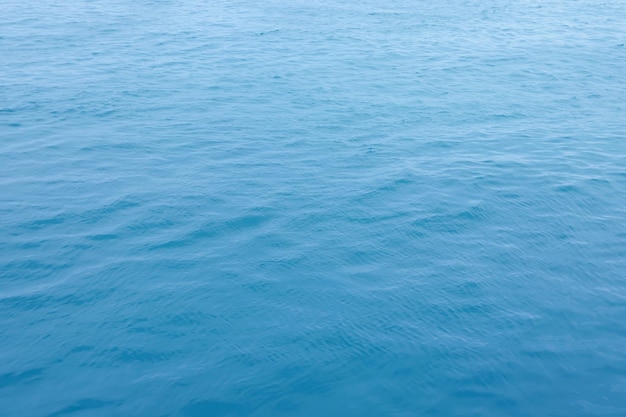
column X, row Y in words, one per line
column 312, row 208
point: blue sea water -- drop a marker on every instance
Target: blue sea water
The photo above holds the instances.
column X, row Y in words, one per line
column 312, row 208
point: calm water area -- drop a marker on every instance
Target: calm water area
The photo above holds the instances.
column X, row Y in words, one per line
column 313, row 208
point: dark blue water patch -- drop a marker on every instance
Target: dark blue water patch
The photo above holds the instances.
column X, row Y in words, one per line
column 82, row 406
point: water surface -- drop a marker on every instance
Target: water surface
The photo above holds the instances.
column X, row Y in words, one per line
column 312, row 208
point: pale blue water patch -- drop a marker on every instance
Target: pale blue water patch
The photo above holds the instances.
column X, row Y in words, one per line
column 289, row 208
